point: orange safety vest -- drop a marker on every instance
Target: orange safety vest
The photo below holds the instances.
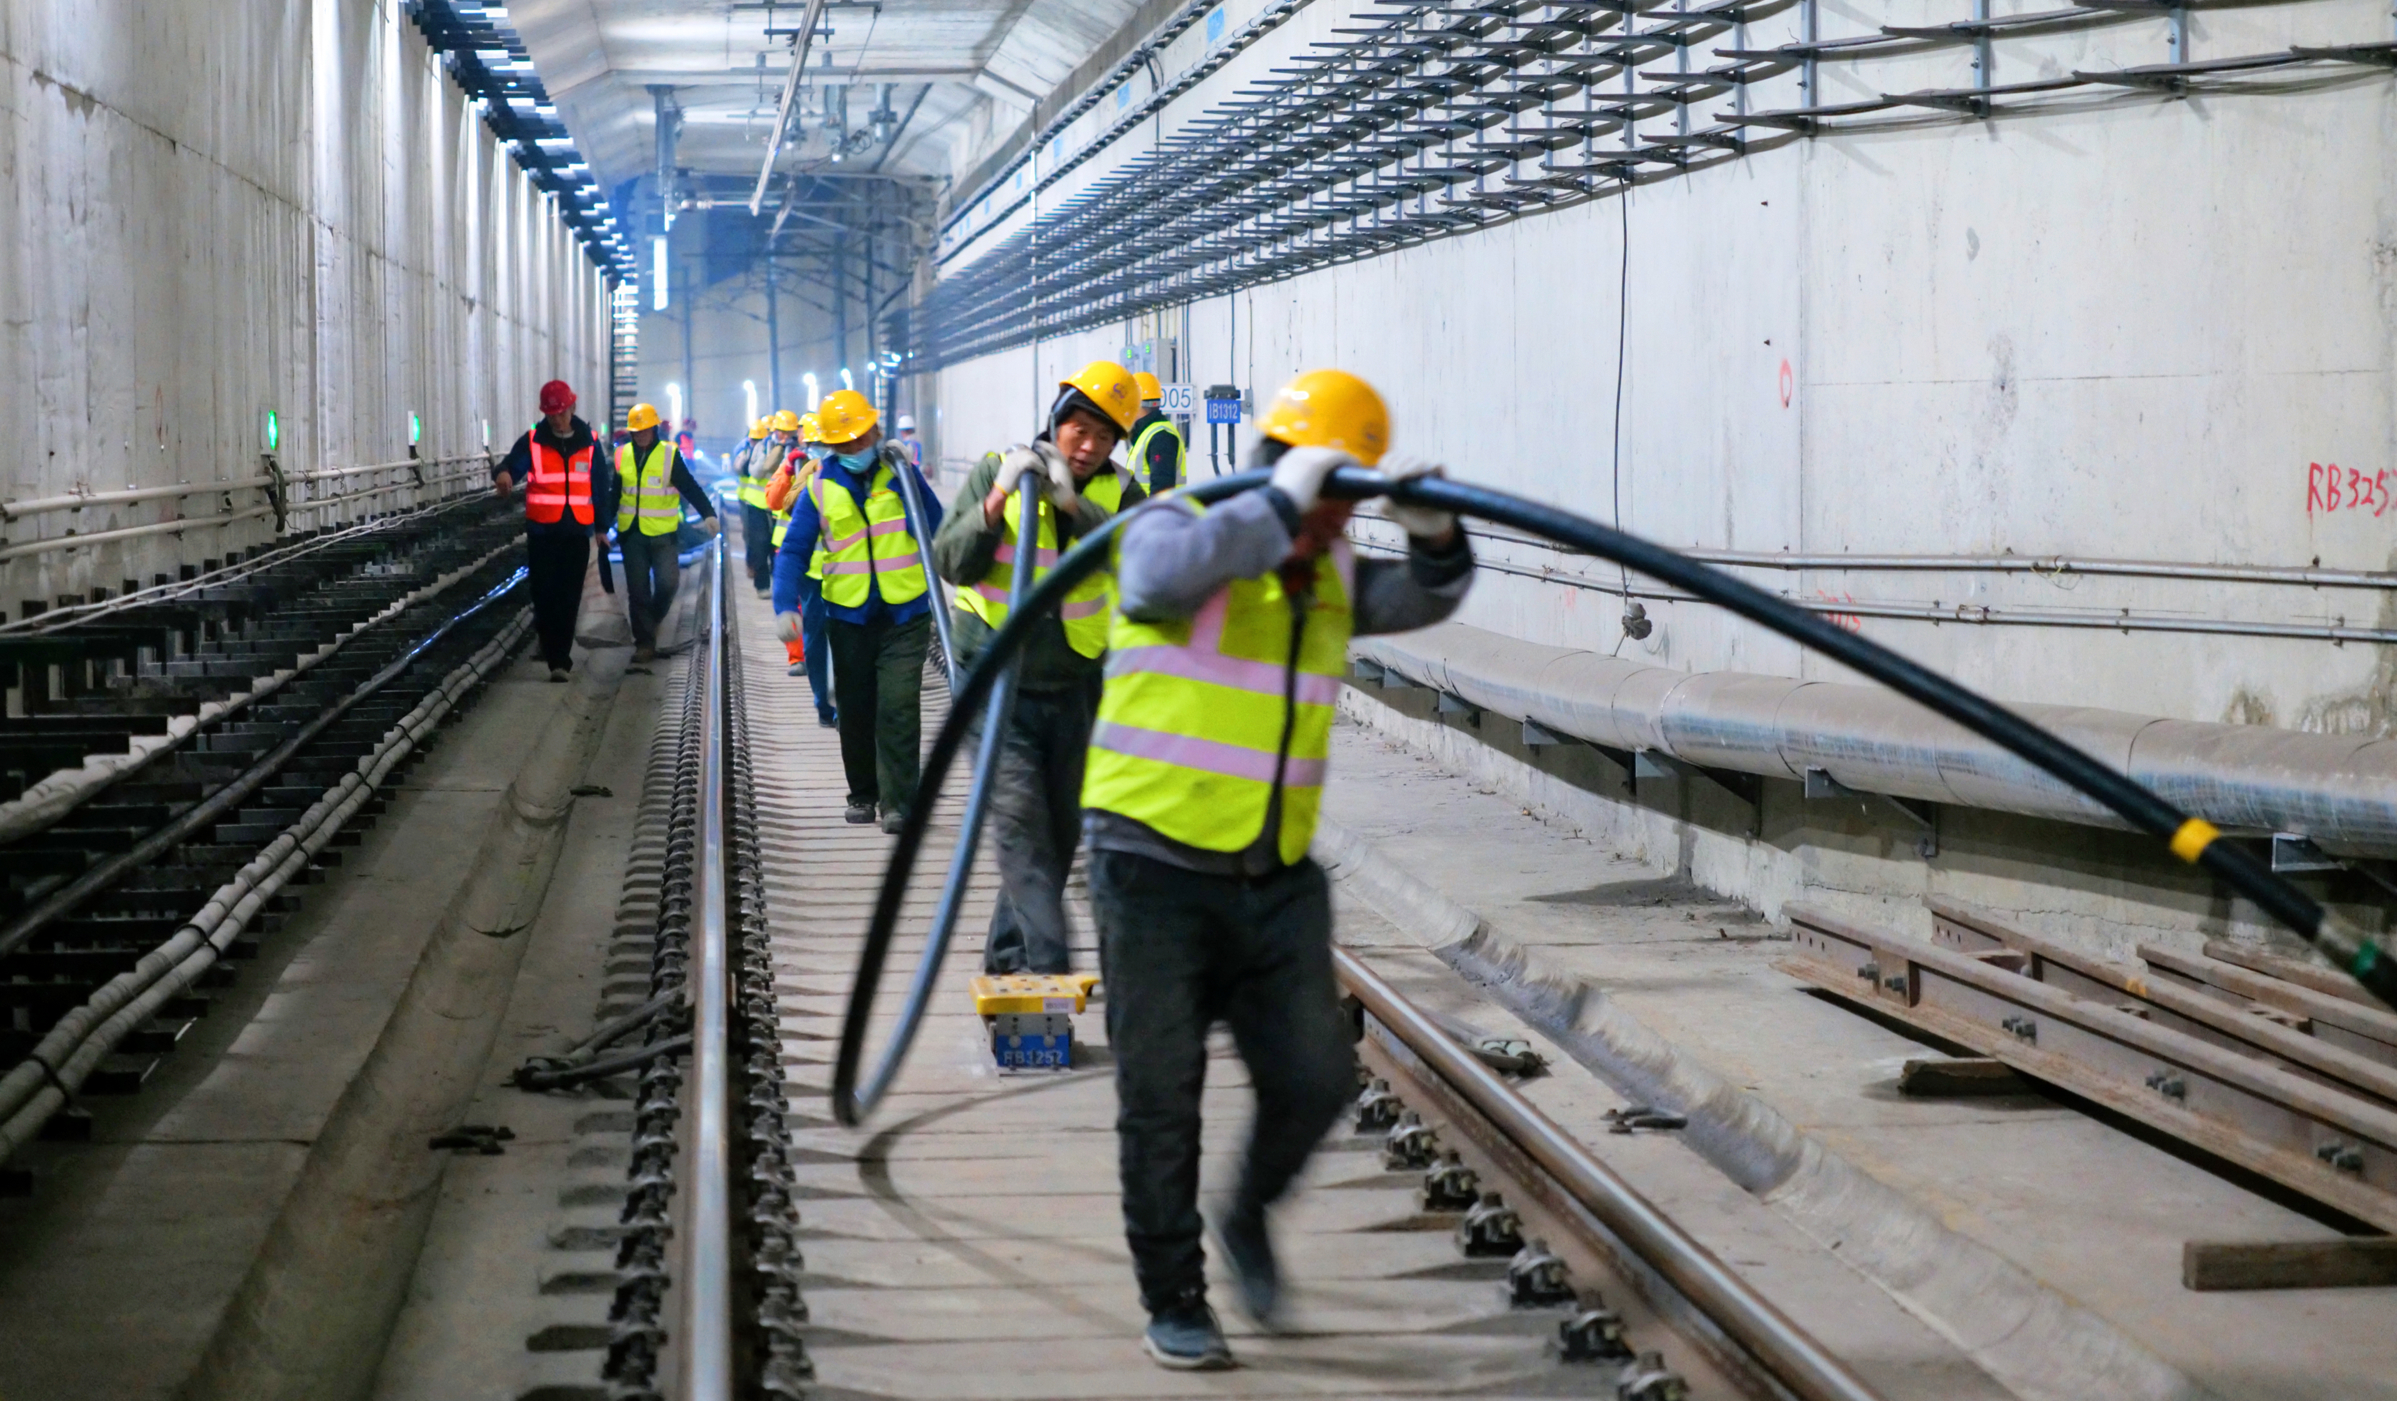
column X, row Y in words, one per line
column 557, row 483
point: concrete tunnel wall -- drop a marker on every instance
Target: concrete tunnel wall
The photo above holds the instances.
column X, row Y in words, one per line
column 2120, row 330
column 2120, row 325
column 213, row 210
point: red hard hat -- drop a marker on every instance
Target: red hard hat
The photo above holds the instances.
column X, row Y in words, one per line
column 556, row 396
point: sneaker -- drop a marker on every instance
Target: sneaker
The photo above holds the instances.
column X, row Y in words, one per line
column 642, row 656
column 893, row 820
column 859, row 813
column 765, row 593
column 557, row 673
column 829, row 719
column 1186, row 1338
column 795, row 669
column 1248, row 1252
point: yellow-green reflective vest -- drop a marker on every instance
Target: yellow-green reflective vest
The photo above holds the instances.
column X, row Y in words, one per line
column 815, row 562
column 781, row 518
column 648, row 494
column 1140, row 455
column 1192, row 729
column 753, row 487
column 1085, row 608
column 868, row 545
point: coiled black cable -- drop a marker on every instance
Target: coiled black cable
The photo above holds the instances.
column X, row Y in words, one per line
column 2192, row 839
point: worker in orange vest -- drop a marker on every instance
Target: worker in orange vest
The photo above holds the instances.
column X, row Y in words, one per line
column 563, row 497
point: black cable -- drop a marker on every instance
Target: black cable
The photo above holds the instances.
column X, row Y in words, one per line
column 2192, row 839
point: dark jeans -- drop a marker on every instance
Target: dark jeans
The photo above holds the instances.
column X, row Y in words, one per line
column 557, row 564
column 1035, row 823
column 757, row 545
column 819, row 651
column 1181, row 951
column 878, row 676
column 652, row 571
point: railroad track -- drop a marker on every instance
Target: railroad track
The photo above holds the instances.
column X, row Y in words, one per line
column 1454, row 1242
column 189, row 753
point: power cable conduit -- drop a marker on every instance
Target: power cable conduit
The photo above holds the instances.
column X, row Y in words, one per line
column 2193, row 839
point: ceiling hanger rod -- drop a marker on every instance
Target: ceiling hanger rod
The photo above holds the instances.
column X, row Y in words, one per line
column 790, row 92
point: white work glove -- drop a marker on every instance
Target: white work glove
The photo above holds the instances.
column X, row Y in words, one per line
column 1300, row 473
column 1060, row 474
column 1013, row 465
column 786, row 626
column 1420, row 522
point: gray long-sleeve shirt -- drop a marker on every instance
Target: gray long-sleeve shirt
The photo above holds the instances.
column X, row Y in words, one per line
column 1173, row 560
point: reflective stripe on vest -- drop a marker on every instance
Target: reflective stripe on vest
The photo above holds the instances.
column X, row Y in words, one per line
column 1140, row 455
column 1191, row 731
column 558, row 484
column 753, row 487
column 868, row 548
column 1085, row 607
column 649, row 495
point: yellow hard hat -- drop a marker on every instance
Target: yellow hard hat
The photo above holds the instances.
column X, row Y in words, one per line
column 845, row 416
column 810, row 430
column 1151, row 388
column 1111, row 387
column 1330, row 409
column 786, row 422
column 642, row 416
column 757, row 430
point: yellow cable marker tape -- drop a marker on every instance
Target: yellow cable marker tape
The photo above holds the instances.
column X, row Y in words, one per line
column 2195, row 836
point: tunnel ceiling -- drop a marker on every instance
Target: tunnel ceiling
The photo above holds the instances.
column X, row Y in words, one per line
column 600, row 59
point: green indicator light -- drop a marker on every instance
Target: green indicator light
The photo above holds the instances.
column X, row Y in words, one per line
column 270, row 430
column 415, row 429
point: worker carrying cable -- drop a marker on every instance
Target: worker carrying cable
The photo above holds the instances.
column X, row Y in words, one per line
column 1206, row 767
column 877, row 597
column 563, row 498
column 1158, row 453
column 653, row 482
column 1036, row 801
column 808, row 653
column 757, row 526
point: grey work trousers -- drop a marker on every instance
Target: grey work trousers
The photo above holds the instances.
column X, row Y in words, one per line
column 1179, row 952
column 1035, row 823
column 878, row 681
column 652, row 572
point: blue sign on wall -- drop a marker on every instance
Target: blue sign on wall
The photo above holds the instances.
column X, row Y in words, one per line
column 1223, row 410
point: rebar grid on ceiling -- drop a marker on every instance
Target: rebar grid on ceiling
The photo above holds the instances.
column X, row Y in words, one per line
column 1438, row 117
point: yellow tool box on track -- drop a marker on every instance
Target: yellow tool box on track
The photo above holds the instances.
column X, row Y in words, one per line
column 1031, row 1016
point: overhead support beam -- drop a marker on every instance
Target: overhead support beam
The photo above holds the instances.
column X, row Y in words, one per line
column 790, row 92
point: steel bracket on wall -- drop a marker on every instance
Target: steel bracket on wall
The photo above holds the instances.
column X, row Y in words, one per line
column 1446, row 704
column 1747, row 787
column 1822, row 787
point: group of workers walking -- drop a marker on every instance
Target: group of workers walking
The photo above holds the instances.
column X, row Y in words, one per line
column 1175, row 715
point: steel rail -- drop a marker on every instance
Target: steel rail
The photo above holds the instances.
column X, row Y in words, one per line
column 59, row 619
column 212, row 809
column 2191, row 839
column 1788, row 1352
column 704, row 1341
column 969, row 830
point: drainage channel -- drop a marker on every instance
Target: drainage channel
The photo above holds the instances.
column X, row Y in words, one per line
column 300, row 689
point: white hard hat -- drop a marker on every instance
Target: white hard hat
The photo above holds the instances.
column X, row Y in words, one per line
column 906, row 424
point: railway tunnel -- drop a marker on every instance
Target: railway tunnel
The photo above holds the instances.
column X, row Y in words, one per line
column 942, row 698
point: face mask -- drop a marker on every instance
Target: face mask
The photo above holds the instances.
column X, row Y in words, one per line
column 857, row 461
